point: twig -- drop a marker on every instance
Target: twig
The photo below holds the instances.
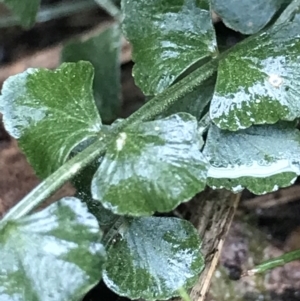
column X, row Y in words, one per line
column 280, row 197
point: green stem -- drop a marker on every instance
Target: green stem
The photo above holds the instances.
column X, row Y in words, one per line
column 149, row 111
column 184, row 295
column 113, row 231
column 274, row 263
column 204, row 123
column 167, row 98
column 56, row 180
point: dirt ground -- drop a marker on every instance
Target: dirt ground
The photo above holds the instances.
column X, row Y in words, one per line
column 264, row 226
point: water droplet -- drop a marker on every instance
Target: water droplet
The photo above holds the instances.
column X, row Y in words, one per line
column 275, row 80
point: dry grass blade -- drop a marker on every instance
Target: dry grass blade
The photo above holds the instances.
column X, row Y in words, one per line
column 211, row 212
column 280, row 197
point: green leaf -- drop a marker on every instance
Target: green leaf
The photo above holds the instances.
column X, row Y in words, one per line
column 25, row 10
column 261, row 158
column 196, row 102
column 246, row 16
column 167, row 38
column 151, row 166
column 292, row 8
column 50, row 112
column 103, row 51
column 106, row 218
column 54, row 254
column 152, row 258
column 82, row 182
column 259, row 80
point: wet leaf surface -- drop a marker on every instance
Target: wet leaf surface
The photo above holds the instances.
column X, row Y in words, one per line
column 151, row 166
column 261, row 158
column 50, row 112
column 167, row 38
column 54, row 254
column 258, row 81
column 152, row 258
column 247, row 17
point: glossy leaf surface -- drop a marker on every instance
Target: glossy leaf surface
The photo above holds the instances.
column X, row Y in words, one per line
column 152, row 258
column 25, row 10
column 152, row 166
column 50, row 112
column 54, row 254
column 259, row 81
column 246, row 16
column 261, row 158
column 167, row 38
column 103, row 51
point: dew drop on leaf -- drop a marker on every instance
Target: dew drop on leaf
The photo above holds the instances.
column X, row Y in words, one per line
column 275, row 80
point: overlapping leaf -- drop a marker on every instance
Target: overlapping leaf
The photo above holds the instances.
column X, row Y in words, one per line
column 292, row 9
column 103, row 51
column 82, row 183
column 195, row 102
column 245, row 16
column 259, row 81
column 25, row 10
column 152, row 258
column 50, row 112
column 167, row 38
column 152, row 166
column 54, row 254
column 261, row 158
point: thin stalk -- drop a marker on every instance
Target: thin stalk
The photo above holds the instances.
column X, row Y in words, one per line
column 184, row 295
column 204, row 123
column 113, row 231
column 153, row 108
column 56, row 180
column 170, row 96
column 160, row 103
column 274, row 263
